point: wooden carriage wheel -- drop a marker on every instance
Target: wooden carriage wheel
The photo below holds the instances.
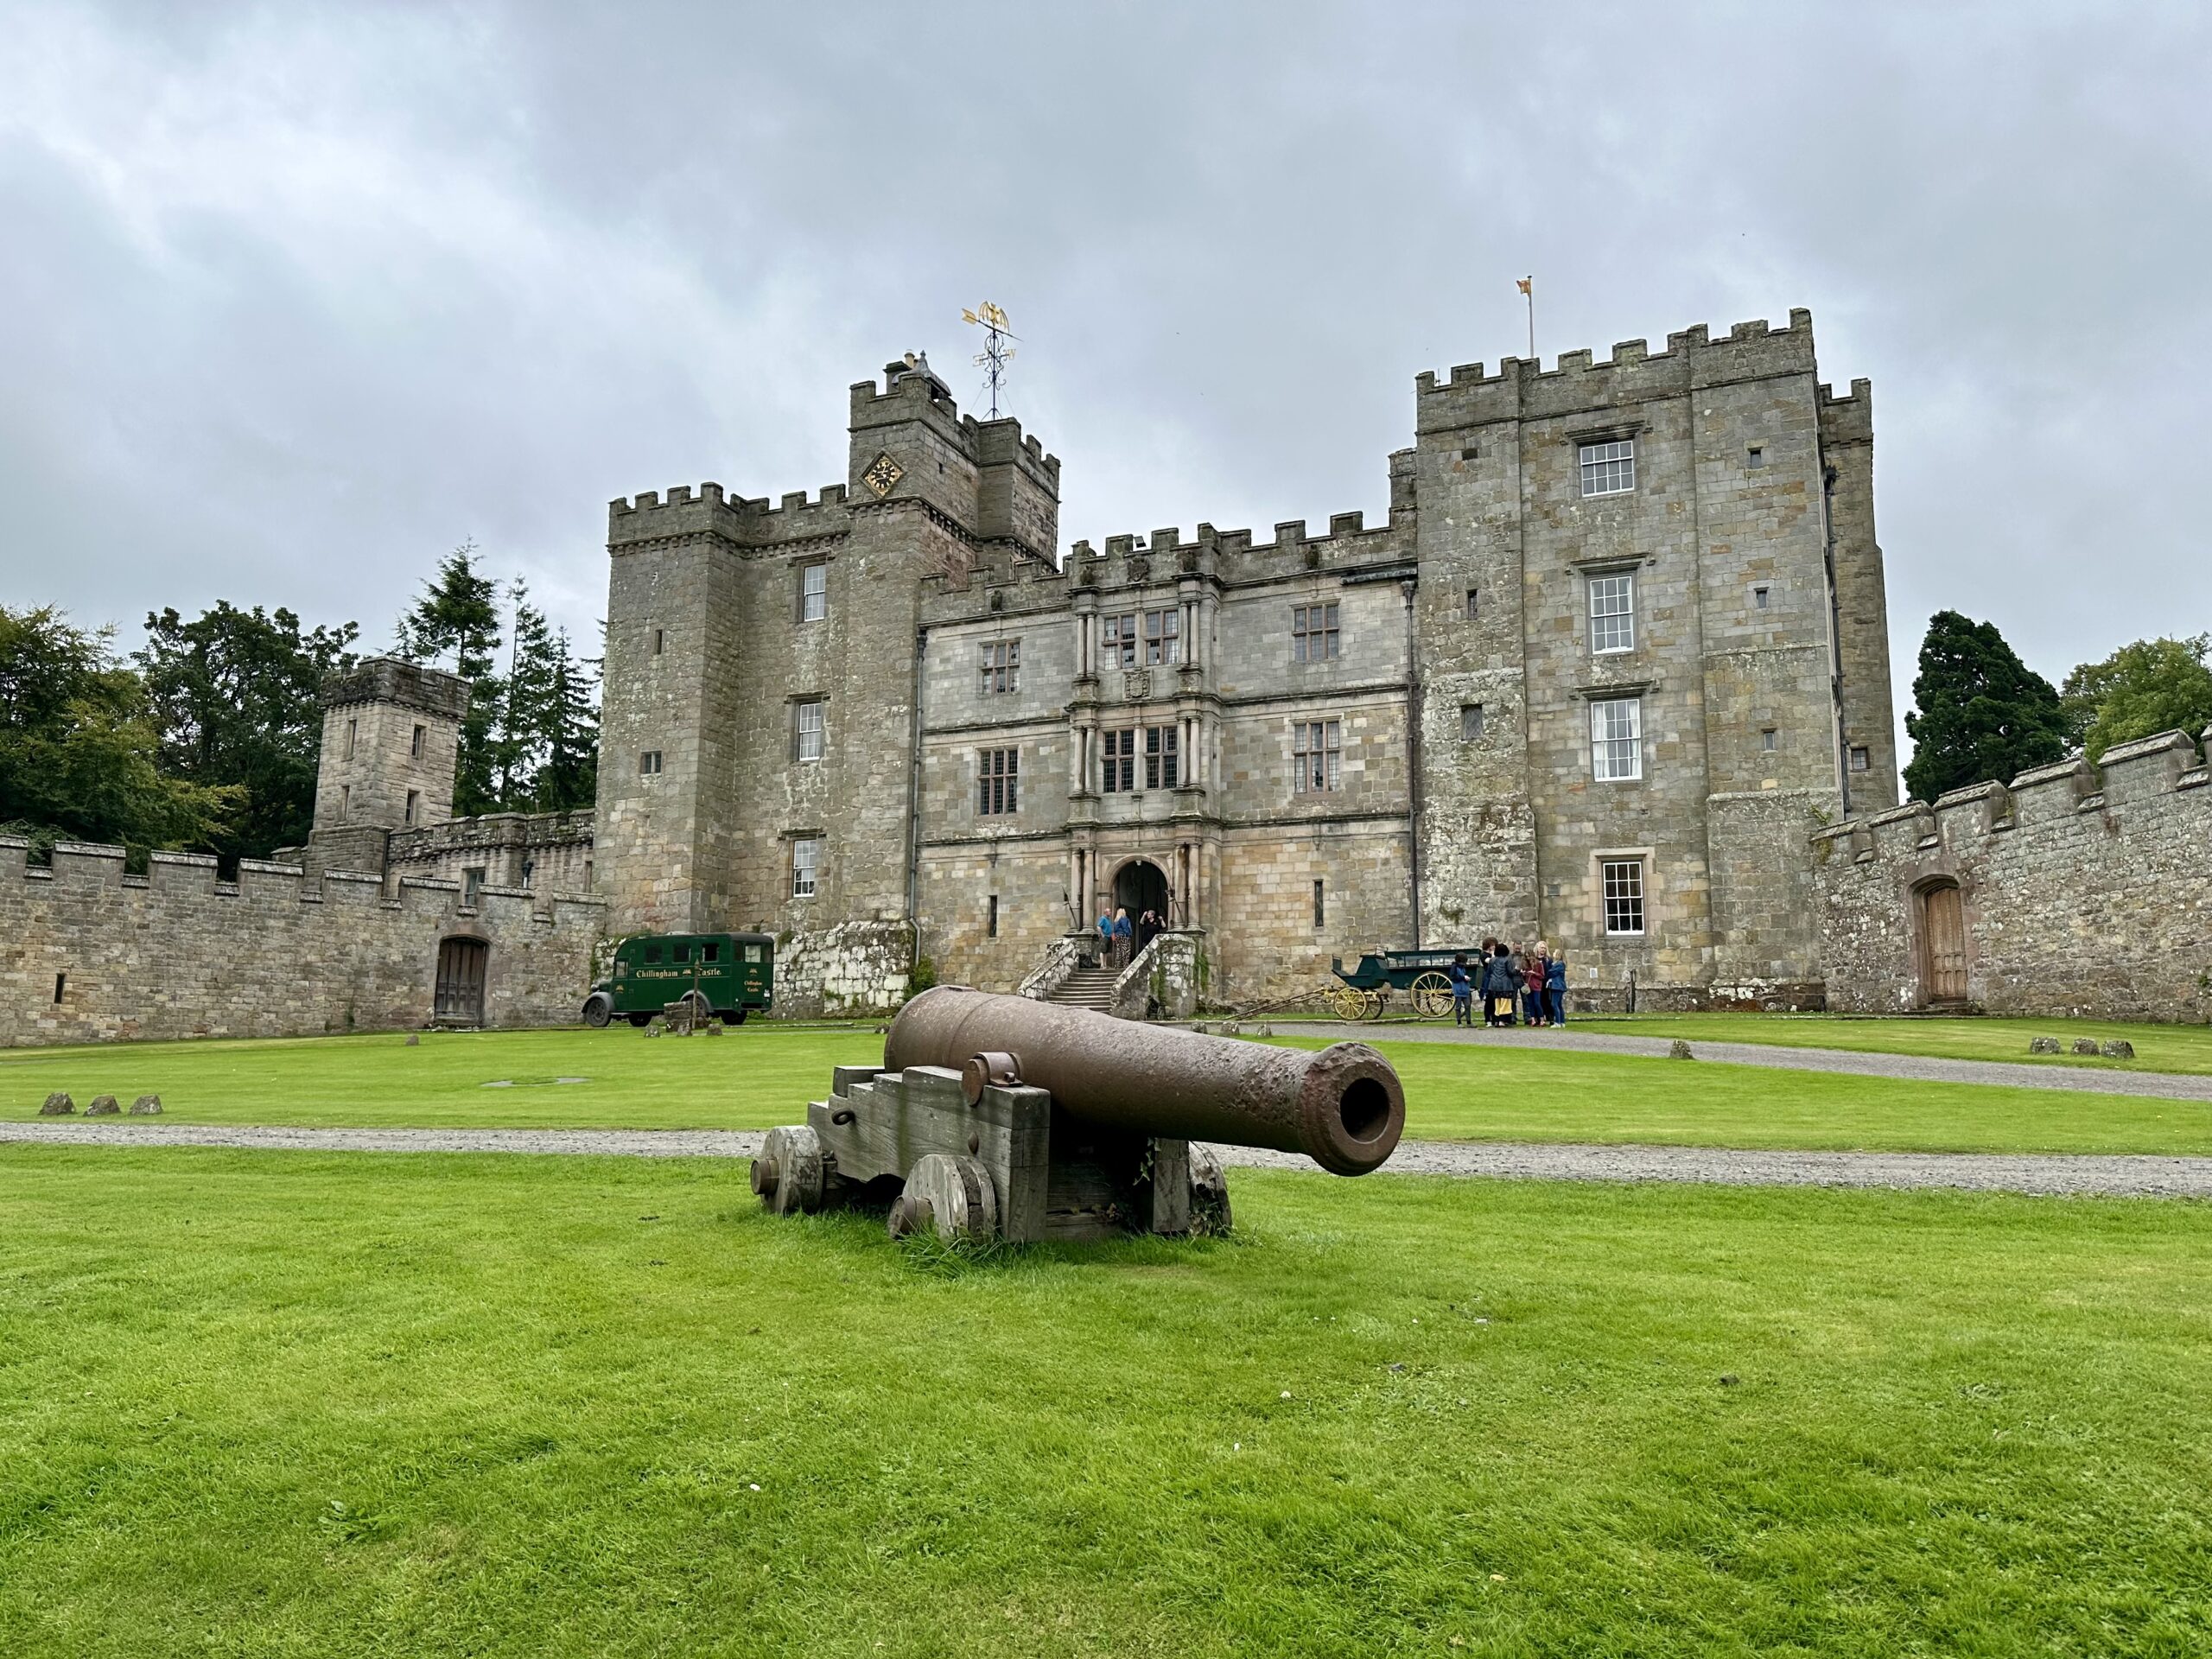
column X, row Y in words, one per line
column 1431, row 994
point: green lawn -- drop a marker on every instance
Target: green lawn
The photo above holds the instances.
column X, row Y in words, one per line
column 2158, row 1048
column 291, row 1404
column 763, row 1076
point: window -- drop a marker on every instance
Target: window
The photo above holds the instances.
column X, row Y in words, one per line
column 1313, row 633
column 998, row 772
column 806, row 727
column 1117, row 643
column 680, row 953
column 1761, row 596
column 1766, row 739
column 1624, row 888
column 1471, row 723
column 345, row 801
column 648, row 763
column 756, row 953
column 1612, row 612
column 1474, row 604
column 1320, row 903
column 1862, row 759
column 528, row 869
column 991, row 918
column 660, row 640
column 60, row 984
column 806, row 863
column 710, row 951
column 813, row 592
column 1471, row 453
column 1609, row 468
column 415, row 748
column 352, row 731
column 1118, row 767
column 414, row 803
column 1159, row 757
column 1755, row 455
column 472, row 884
column 1316, row 747
column 1616, row 740
column 1002, row 666
column 1161, row 644
column 652, row 953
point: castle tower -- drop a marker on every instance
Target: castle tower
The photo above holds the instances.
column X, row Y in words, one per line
column 391, row 741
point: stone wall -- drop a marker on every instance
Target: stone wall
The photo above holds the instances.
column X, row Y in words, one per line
column 91, row 954
column 2086, row 890
column 544, row 852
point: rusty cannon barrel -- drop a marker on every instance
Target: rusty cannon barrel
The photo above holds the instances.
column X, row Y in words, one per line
column 1342, row 1107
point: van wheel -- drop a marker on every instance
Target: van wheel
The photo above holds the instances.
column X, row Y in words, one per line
column 735, row 1016
column 641, row 1020
column 599, row 1008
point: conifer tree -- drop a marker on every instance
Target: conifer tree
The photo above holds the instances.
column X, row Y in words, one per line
column 1982, row 713
column 459, row 612
column 522, row 736
column 571, row 776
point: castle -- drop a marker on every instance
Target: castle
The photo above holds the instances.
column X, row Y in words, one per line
column 1611, row 672
column 1618, row 648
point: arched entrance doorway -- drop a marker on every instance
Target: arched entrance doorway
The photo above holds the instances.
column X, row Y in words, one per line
column 1942, row 944
column 460, row 981
column 1139, row 885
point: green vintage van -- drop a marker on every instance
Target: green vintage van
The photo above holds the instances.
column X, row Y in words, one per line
column 729, row 974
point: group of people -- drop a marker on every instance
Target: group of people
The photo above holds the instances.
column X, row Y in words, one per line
column 1120, row 939
column 1516, row 987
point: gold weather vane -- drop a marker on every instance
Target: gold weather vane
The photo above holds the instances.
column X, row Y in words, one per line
column 996, row 354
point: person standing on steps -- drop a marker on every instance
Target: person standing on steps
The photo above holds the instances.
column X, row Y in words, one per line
column 1123, row 935
column 1105, row 938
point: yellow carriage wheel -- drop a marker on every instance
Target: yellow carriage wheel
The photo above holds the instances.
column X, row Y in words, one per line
column 1431, row 994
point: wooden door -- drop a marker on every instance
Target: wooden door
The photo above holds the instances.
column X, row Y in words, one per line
column 460, row 981
column 1943, row 946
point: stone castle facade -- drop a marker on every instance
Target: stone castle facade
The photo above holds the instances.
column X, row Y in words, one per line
column 1617, row 649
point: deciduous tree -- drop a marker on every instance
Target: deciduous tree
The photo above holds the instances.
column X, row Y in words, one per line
column 2151, row 686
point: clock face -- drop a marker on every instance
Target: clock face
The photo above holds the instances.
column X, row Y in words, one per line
column 882, row 474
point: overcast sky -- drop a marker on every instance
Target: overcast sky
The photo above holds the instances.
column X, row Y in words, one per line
column 293, row 299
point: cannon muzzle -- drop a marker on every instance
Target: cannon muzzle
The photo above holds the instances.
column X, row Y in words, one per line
column 1342, row 1107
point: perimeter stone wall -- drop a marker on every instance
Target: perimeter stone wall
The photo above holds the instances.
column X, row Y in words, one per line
column 2086, row 891
column 91, row 954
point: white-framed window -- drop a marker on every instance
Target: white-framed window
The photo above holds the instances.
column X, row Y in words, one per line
column 1160, row 758
column 1118, row 641
column 813, row 592
column 1002, row 666
column 648, row 763
column 1862, row 759
column 1316, row 751
column 1615, row 738
column 1612, row 612
column 472, row 886
column 1623, row 883
column 1609, row 468
column 1162, row 637
column 807, row 729
column 1313, row 633
column 1471, row 723
column 999, row 777
column 1117, row 769
column 806, row 865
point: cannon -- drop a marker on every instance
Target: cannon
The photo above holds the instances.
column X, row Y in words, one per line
column 1000, row 1116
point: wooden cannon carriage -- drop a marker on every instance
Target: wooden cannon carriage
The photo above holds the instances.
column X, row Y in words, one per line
column 997, row 1115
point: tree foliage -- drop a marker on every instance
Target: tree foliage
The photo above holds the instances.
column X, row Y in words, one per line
column 1981, row 712
column 235, row 698
column 2151, row 686
column 458, row 612
column 79, row 755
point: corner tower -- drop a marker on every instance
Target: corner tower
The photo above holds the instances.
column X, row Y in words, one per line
column 391, row 741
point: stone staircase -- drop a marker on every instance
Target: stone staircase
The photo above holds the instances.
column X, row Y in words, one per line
column 1087, row 987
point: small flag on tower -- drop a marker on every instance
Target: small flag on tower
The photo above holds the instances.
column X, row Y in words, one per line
column 1526, row 284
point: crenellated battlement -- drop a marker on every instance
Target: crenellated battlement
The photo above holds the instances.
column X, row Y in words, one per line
column 94, row 953
column 2081, row 889
column 1350, row 542
column 1522, row 389
column 1849, row 417
column 742, row 521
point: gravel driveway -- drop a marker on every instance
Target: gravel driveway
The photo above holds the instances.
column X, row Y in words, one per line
column 2042, row 1175
column 2098, row 1080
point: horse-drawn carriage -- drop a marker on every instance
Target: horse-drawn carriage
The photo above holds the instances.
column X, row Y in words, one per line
column 1422, row 976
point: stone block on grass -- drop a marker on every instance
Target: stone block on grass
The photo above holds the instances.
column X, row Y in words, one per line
column 103, row 1106
column 146, row 1106
column 2085, row 1045
column 2118, row 1048
column 57, row 1105
column 2042, row 1045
